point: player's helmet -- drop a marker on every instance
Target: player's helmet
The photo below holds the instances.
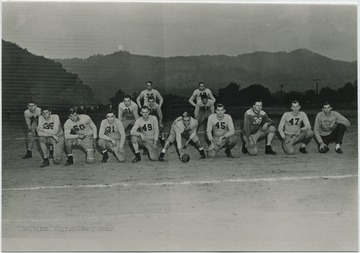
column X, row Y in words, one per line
column 185, row 158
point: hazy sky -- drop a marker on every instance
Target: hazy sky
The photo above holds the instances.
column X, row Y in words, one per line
column 75, row 29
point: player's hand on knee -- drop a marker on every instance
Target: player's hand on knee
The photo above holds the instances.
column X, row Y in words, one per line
column 286, row 140
column 56, row 139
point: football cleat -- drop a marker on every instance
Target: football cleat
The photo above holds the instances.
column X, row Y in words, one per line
column 339, row 151
column 161, row 157
column 105, row 157
column 269, row 150
column 244, row 149
column 45, row 163
column 136, row 159
column 69, row 161
column 303, row 150
column 202, row 154
column 27, row 155
column 228, row 153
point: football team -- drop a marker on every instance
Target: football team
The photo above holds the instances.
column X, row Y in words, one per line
column 147, row 130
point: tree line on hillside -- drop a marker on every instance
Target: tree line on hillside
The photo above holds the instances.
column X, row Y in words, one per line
column 234, row 96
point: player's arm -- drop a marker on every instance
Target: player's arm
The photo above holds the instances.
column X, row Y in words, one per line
column 136, row 111
column 306, row 122
column 178, row 137
column 192, row 98
column 93, row 127
column 209, row 129
column 211, row 96
column 268, row 119
column 231, row 128
column 102, row 132
column 281, row 126
column 138, row 99
column 120, row 113
column 121, row 130
column 212, row 109
column 317, row 126
column 40, row 129
column 194, row 130
column 196, row 111
column 247, row 124
column 134, row 130
column 160, row 114
column 156, row 129
column 342, row 120
column 161, row 100
column 67, row 132
column 27, row 121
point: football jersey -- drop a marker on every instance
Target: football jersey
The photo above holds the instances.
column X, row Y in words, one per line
column 31, row 117
column 198, row 93
column 152, row 93
column 128, row 111
column 149, row 128
column 113, row 130
column 323, row 122
column 220, row 127
column 50, row 126
column 153, row 110
column 82, row 126
column 178, row 125
column 291, row 123
column 205, row 107
column 254, row 121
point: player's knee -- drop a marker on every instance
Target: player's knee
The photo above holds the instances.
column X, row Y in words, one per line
column 252, row 151
column 101, row 143
column 211, row 153
column 42, row 139
column 195, row 139
column 134, row 139
column 309, row 133
column 272, row 129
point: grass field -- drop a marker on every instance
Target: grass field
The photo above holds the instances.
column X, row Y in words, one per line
column 263, row 203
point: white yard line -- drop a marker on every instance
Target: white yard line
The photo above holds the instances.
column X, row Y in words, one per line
column 237, row 180
column 129, row 215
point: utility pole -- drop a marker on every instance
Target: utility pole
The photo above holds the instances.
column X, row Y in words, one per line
column 281, row 89
column 317, row 85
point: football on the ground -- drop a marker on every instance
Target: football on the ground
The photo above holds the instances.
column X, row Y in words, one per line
column 185, row 158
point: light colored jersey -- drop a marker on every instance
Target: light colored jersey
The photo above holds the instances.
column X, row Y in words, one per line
column 198, row 93
column 145, row 94
column 254, row 121
column 205, row 107
column 51, row 126
column 32, row 117
column 114, row 130
column 154, row 110
column 219, row 127
column 291, row 123
column 128, row 111
column 149, row 128
column 179, row 127
column 323, row 122
column 82, row 126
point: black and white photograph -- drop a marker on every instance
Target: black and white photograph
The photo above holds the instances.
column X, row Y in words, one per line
column 179, row 126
